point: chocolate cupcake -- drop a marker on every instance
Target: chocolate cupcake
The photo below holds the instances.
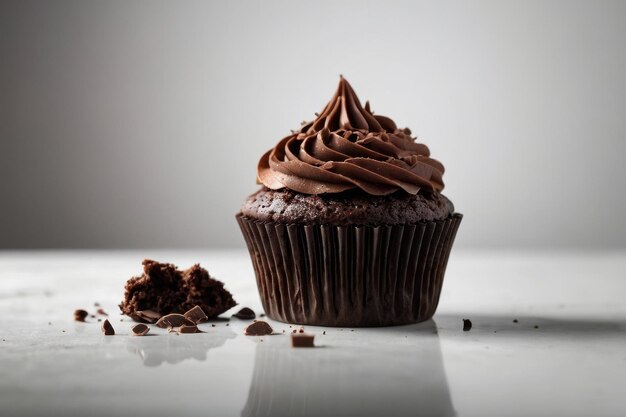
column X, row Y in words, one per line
column 350, row 227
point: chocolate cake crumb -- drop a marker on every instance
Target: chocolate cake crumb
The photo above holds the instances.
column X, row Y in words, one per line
column 258, row 328
column 262, row 315
column 467, row 325
column 245, row 314
column 99, row 320
column 140, row 329
column 165, row 289
column 80, row 315
column 107, row 328
column 302, row 340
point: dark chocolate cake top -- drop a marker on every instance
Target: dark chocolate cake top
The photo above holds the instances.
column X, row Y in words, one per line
column 348, row 147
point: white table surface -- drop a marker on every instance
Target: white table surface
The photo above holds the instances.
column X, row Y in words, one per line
column 573, row 364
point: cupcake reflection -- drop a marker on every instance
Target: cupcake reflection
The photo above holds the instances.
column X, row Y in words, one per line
column 362, row 378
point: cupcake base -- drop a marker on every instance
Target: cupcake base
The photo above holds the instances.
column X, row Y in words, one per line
column 350, row 276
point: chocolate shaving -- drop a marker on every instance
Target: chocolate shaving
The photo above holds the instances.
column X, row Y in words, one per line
column 245, row 314
column 467, row 325
column 302, row 340
column 186, row 328
column 173, row 320
column 80, row 315
column 140, row 329
column 196, row 315
column 258, row 328
column 107, row 328
column 146, row 316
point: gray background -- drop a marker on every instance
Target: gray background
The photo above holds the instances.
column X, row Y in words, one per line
column 139, row 124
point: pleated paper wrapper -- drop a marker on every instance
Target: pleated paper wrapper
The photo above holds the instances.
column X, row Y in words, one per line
column 349, row 276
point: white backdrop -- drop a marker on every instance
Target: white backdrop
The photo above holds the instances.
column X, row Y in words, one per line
column 139, row 124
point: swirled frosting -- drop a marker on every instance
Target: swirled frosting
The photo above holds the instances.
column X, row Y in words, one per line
column 348, row 147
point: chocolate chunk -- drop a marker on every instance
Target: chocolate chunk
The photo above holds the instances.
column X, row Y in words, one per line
column 165, row 289
column 196, row 315
column 107, row 328
column 245, row 314
column 173, row 320
column 80, row 315
column 140, row 329
column 102, row 312
column 188, row 328
column 467, row 325
column 146, row 316
column 302, row 340
column 258, row 328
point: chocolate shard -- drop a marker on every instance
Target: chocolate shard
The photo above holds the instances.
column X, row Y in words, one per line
column 145, row 316
column 196, row 315
column 80, row 315
column 258, row 328
column 467, row 325
column 188, row 328
column 140, row 329
column 302, row 340
column 173, row 320
column 245, row 314
column 107, row 328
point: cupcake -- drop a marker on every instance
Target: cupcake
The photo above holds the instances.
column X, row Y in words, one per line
column 349, row 227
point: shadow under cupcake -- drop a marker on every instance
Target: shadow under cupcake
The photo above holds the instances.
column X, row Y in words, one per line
column 350, row 227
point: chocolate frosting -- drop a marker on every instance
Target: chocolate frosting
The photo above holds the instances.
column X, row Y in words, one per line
column 348, row 147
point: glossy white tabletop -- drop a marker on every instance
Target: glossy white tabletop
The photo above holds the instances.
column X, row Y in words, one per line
column 572, row 364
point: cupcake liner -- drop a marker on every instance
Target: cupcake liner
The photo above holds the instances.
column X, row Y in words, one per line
column 349, row 275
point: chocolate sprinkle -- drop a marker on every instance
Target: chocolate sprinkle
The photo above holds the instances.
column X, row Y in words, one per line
column 140, row 329
column 107, row 328
column 258, row 328
column 196, row 315
column 245, row 314
column 80, row 315
column 302, row 340
column 515, row 321
column 467, row 325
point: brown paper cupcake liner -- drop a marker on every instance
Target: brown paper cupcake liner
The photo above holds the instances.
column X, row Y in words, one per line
column 349, row 275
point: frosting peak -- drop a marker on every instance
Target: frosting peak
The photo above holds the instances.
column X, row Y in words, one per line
column 348, row 147
column 344, row 111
